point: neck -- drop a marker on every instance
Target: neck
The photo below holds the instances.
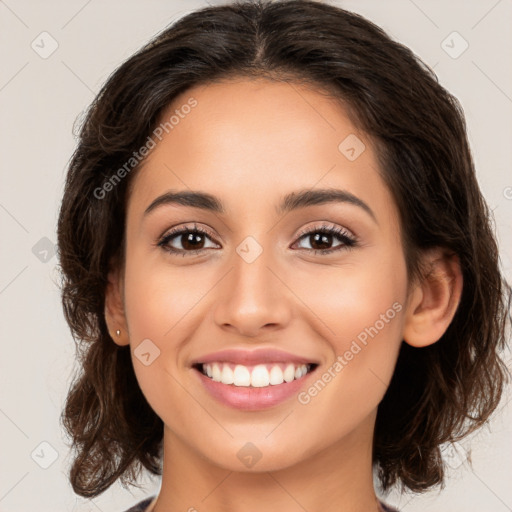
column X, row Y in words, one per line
column 337, row 478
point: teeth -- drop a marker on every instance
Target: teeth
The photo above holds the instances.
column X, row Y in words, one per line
column 241, row 376
column 289, row 373
column 216, row 373
column 276, row 376
column 258, row 376
column 227, row 376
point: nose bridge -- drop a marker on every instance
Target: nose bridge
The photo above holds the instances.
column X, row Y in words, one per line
column 253, row 296
column 251, row 275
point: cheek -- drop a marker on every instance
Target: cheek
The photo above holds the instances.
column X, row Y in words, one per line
column 353, row 301
column 162, row 306
column 358, row 313
column 363, row 337
column 159, row 300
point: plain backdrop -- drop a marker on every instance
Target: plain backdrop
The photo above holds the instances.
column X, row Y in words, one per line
column 54, row 58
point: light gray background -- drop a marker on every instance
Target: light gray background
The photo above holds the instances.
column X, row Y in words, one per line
column 40, row 98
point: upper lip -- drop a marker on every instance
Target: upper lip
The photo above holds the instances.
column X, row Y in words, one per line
column 252, row 357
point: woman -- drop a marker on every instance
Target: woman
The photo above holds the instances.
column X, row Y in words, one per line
column 280, row 266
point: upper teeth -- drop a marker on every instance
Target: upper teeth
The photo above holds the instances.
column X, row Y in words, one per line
column 257, row 376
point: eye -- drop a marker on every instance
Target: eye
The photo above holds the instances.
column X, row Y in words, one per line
column 192, row 240
column 323, row 236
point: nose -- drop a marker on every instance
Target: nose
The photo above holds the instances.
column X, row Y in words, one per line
column 254, row 298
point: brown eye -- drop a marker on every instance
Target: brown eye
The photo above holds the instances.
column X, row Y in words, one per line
column 321, row 239
column 187, row 240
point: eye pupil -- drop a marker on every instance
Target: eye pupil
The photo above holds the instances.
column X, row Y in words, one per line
column 189, row 239
column 322, row 239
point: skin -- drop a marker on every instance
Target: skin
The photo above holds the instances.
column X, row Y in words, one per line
column 249, row 142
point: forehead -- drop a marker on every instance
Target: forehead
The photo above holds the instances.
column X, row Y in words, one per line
column 256, row 140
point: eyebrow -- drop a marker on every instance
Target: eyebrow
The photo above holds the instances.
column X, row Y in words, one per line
column 292, row 201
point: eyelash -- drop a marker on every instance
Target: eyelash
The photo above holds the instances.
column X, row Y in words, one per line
column 348, row 241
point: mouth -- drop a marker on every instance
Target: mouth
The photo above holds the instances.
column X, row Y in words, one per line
column 262, row 375
column 253, row 380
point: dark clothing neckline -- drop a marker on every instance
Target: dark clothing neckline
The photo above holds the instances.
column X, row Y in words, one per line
column 144, row 504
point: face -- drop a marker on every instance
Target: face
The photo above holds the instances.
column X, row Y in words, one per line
column 276, row 280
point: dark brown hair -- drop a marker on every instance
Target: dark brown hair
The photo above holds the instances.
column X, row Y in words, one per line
column 438, row 393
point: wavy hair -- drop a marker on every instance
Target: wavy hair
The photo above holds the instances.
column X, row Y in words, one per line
column 439, row 393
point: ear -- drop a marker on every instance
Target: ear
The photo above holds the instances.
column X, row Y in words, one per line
column 114, row 307
column 433, row 301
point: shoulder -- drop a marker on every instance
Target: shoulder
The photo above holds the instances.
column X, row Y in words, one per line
column 142, row 505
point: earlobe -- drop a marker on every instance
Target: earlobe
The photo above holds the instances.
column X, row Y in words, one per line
column 114, row 309
column 434, row 301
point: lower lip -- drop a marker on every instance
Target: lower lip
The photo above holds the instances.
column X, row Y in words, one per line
column 249, row 398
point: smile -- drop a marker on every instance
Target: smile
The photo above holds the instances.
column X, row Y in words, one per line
column 255, row 376
column 253, row 387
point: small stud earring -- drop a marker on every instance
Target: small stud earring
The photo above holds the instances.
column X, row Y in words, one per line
column 118, row 332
